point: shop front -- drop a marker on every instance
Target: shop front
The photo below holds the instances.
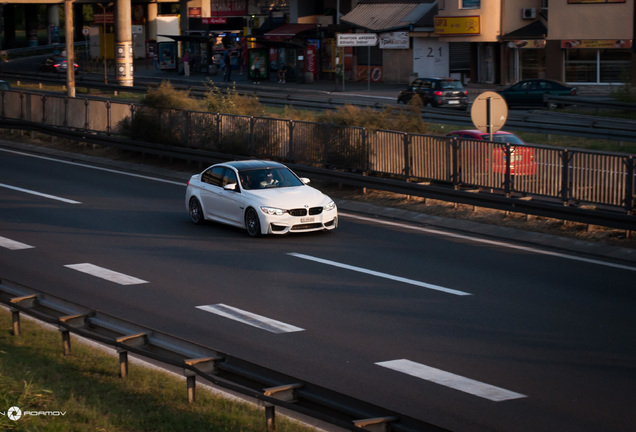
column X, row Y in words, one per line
column 294, row 48
column 597, row 61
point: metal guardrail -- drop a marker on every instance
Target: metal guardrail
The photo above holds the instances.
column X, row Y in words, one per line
column 590, row 102
column 269, row 387
column 584, row 186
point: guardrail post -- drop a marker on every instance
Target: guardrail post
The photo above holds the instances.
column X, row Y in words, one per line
column 377, row 424
column 192, row 388
column 291, row 125
column 455, row 174
column 66, row 341
column 407, row 155
column 109, row 117
column 325, row 128
column 15, row 316
column 217, row 132
column 251, row 139
column 565, row 177
column 21, row 105
column 270, row 417
column 86, row 114
column 123, row 363
column 44, row 109
column 187, row 127
column 629, row 183
column 507, row 175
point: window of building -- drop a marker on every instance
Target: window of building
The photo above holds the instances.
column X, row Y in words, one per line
column 532, row 63
column 597, row 66
column 471, row 4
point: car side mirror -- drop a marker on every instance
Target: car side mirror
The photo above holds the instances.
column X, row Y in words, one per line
column 230, row 187
column 305, row 180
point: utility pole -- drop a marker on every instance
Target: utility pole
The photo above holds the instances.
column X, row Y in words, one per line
column 70, row 48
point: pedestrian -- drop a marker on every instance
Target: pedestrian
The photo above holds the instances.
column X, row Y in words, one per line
column 282, row 73
column 256, row 67
column 186, row 64
column 227, row 61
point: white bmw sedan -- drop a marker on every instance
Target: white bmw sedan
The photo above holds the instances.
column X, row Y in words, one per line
column 263, row 197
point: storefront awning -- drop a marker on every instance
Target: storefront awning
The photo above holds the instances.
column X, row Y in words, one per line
column 288, row 31
column 535, row 30
column 382, row 17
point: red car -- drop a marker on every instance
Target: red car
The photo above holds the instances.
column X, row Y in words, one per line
column 521, row 157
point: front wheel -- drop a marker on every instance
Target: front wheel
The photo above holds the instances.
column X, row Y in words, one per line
column 195, row 211
column 252, row 223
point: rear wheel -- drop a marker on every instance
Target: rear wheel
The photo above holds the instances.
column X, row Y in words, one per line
column 195, row 211
column 252, row 223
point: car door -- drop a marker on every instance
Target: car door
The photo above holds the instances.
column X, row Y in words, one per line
column 210, row 191
column 230, row 202
column 535, row 93
column 517, row 94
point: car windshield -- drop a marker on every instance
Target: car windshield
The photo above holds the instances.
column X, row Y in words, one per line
column 268, row 178
column 503, row 138
column 450, row 85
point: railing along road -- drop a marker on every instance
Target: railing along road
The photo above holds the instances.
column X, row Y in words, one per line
column 587, row 186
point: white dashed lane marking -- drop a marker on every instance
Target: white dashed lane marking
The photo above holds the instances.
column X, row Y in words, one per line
column 249, row 318
column 12, row 244
column 457, row 382
column 382, row 275
column 106, row 274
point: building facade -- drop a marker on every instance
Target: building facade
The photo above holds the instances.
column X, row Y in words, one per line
column 587, row 42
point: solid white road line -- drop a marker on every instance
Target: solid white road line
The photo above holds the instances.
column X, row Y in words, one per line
column 53, row 197
column 379, row 274
column 490, row 242
column 12, row 244
column 95, row 167
column 249, row 318
column 467, row 385
column 106, row 274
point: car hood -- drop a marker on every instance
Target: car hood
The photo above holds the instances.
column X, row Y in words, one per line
column 288, row 197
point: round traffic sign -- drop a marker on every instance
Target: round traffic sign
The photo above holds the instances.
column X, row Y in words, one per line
column 489, row 112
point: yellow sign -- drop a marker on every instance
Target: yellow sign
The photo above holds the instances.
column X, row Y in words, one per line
column 455, row 26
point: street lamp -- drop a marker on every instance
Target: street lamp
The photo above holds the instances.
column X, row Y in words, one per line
column 103, row 38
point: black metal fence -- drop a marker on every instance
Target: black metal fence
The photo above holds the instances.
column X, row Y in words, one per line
column 568, row 176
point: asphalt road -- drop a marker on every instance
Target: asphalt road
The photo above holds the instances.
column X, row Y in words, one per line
column 466, row 334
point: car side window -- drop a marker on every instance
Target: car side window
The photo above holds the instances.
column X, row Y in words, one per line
column 213, row 176
column 228, row 177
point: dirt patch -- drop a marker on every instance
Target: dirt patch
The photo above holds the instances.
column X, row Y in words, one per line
column 432, row 207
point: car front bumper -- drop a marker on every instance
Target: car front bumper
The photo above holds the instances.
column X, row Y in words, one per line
column 291, row 224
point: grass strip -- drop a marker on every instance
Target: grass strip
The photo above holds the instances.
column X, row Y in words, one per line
column 83, row 392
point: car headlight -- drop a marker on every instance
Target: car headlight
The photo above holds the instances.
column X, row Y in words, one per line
column 330, row 206
column 273, row 211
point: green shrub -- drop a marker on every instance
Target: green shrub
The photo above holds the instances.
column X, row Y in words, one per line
column 166, row 97
column 625, row 93
column 230, row 102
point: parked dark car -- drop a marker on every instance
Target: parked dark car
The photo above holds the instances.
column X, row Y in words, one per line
column 56, row 65
column 436, row 92
column 530, row 92
column 4, row 85
column 521, row 157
